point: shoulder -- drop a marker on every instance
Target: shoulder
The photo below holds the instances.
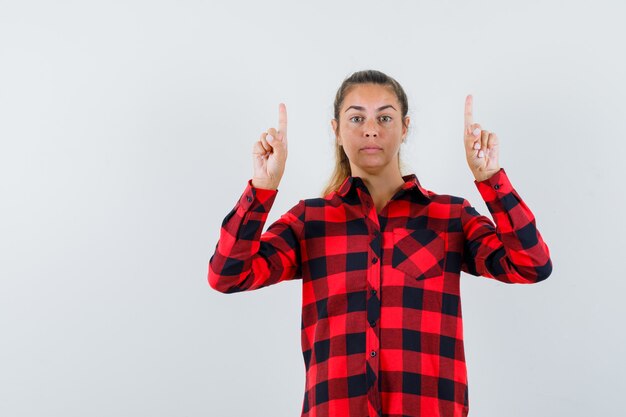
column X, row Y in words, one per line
column 316, row 201
column 443, row 199
column 333, row 199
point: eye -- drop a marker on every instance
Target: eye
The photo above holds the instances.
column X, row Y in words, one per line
column 355, row 117
column 388, row 118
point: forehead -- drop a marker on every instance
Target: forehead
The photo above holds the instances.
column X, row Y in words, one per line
column 370, row 95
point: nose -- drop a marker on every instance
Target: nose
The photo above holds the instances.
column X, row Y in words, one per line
column 371, row 130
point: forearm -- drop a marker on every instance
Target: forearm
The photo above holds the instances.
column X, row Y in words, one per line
column 231, row 264
column 247, row 259
column 513, row 251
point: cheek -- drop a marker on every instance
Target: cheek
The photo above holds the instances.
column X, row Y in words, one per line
column 349, row 128
column 349, row 148
column 394, row 127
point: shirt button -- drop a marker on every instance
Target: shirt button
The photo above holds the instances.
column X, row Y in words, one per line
column 497, row 186
column 373, row 292
column 374, row 260
column 249, row 199
column 373, row 353
column 373, row 324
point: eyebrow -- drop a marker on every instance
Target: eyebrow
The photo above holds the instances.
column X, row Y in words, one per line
column 363, row 108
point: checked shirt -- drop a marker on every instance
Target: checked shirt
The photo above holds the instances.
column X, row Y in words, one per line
column 381, row 326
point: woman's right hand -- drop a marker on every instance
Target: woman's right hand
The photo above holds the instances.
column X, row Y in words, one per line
column 269, row 154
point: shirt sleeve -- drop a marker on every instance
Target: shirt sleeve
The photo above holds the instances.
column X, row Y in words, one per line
column 245, row 258
column 510, row 251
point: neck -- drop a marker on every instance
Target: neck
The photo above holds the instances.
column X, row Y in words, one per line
column 382, row 185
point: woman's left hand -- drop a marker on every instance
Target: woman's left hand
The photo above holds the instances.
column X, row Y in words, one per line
column 481, row 146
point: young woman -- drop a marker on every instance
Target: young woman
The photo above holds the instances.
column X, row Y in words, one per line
column 379, row 257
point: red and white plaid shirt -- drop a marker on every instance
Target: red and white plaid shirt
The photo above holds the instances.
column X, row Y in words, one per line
column 382, row 333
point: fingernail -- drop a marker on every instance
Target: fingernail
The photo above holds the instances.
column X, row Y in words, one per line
column 477, row 132
column 477, row 146
column 270, row 138
column 481, row 154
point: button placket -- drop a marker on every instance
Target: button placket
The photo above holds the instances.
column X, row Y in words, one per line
column 373, row 308
column 374, row 271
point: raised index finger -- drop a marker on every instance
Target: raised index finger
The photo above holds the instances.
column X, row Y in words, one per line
column 282, row 119
column 468, row 111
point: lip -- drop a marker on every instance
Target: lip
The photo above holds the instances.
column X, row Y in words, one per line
column 371, row 149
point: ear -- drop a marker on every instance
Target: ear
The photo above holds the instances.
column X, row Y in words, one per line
column 405, row 129
column 334, row 125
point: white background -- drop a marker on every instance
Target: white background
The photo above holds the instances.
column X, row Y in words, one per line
column 126, row 132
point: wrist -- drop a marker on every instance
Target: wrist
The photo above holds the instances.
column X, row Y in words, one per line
column 266, row 185
column 479, row 177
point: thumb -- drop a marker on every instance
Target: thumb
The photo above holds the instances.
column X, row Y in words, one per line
column 279, row 145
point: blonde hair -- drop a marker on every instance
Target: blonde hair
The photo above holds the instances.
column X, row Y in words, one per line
column 342, row 169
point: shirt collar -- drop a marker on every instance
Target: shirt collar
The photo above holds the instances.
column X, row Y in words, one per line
column 410, row 183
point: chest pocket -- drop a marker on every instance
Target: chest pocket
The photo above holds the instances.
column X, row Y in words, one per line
column 419, row 253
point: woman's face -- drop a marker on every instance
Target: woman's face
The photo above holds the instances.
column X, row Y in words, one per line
column 371, row 129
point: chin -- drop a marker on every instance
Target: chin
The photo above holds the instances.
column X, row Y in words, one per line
column 372, row 169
